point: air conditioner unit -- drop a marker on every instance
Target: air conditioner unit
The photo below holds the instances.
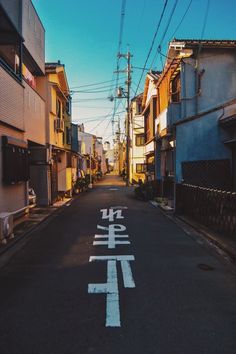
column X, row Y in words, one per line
column 6, row 227
column 59, row 125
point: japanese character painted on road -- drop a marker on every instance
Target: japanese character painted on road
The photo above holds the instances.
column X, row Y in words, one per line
column 110, row 214
column 111, row 286
column 111, row 237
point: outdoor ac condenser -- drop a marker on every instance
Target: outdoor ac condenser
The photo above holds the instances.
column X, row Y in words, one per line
column 6, row 226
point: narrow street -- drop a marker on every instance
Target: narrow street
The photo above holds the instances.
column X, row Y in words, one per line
column 54, row 300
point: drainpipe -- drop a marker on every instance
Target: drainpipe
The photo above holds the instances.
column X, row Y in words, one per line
column 196, row 87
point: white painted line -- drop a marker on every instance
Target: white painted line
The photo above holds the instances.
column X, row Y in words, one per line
column 113, row 311
column 105, row 236
column 110, row 243
column 110, row 214
column 113, row 307
column 111, row 287
column 114, row 257
column 113, row 189
column 111, row 237
column 112, row 228
column 119, row 207
column 127, row 275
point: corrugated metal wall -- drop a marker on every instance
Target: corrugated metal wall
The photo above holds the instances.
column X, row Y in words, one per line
column 12, row 99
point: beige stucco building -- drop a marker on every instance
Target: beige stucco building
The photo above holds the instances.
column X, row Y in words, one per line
column 137, row 163
column 22, row 105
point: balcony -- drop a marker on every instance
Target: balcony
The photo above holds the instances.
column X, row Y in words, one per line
column 12, row 100
column 34, row 115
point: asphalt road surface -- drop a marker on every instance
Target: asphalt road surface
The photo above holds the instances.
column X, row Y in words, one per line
column 152, row 291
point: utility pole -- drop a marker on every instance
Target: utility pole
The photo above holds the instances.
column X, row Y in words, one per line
column 122, row 94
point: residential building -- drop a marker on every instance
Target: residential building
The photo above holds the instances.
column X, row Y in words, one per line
column 110, row 156
column 149, row 106
column 204, row 114
column 87, row 142
column 22, row 105
column 137, row 146
column 100, row 156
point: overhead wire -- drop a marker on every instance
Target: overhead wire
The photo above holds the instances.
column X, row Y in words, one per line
column 152, row 44
column 94, row 84
column 164, row 32
column 182, row 19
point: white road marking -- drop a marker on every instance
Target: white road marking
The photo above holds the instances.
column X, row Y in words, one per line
column 119, row 207
column 114, row 257
column 127, row 275
column 111, row 287
column 105, row 236
column 110, row 213
column 112, row 228
column 111, row 243
column 111, row 238
column 113, row 189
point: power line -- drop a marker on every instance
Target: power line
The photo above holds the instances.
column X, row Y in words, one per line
column 88, row 99
column 94, row 84
column 165, row 31
column 152, row 44
column 99, row 117
column 203, row 28
column 181, row 21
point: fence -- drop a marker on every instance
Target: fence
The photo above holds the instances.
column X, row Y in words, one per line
column 213, row 208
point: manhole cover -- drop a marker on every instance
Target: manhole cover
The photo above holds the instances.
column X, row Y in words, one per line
column 205, row 267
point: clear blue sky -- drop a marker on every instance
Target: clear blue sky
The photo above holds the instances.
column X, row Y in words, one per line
column 84, row 36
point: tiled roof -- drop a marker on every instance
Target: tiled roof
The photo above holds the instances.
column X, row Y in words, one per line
column 213, row 43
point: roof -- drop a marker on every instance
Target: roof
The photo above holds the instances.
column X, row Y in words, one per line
column 51, row 67
column 154, row 74
column 209, row 43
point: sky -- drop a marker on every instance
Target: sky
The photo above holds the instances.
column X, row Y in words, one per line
column 84, row 35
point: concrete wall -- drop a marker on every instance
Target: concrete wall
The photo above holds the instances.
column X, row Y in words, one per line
column 33, row 33
column 152, row 91
column 218, row 81
column 200, row 139
column 13, row 9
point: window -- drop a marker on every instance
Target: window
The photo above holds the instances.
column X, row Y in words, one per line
column 138, row 107
column 140, row 167
column 59, row 110
column 139, row 139
column 175, row 89
column 68, row 136
column 68, row 106
column 15, row 162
